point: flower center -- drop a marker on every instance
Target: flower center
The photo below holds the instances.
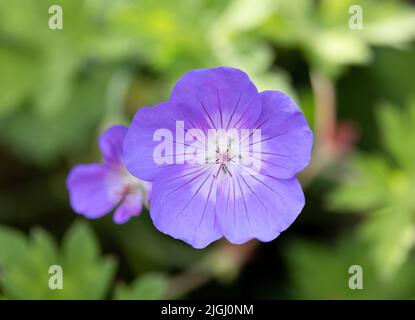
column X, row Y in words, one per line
column 222, row 159
column 130, row 184
column 223, row 152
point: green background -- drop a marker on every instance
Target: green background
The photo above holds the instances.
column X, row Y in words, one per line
column 60, row 89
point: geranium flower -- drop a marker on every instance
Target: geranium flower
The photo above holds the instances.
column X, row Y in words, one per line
column 201, row 201
column 96, row 189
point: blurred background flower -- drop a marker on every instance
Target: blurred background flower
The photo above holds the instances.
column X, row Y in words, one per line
column 60, row 89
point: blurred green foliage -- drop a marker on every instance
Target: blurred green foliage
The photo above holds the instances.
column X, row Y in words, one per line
column 61, row 88
column 147, row 287
column 383, row 187
column 85, row 274
column 320, row 271
column 25, row 263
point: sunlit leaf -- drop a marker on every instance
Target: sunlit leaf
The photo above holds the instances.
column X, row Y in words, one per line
column 149, row 286
column 25, row 265
column 322, row 272
column 364, row 187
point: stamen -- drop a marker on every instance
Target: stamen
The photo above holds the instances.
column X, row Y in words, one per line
column 222, row 159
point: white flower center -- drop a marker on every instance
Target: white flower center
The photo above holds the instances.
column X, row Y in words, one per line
column 224, row 153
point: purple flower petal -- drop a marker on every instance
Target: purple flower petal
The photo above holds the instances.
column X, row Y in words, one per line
column 183, row 204
column 224, row 96
column 96, row 189
column 111, row 144
column 131, row 206
column 139, row 143
column 199, row 203
column 92, row 190
column 286, row 139
column 257, row 206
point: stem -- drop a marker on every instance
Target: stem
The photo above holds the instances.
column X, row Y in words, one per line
column 325, row 124
column 224, row 262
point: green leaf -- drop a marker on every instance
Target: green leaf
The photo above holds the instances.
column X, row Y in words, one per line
column 390, row 233
column 365, row 187
column 169, row 36
column 150, row 286
column 320, row 271
column 66, row 130
column 17, row 79
column 44, row 245
column 385, row 189
column 332, row 49
column 398, row 133
column 89, row 275
column 79, row 243
column 25, row 265
column 13, row 246
column 320, row 29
